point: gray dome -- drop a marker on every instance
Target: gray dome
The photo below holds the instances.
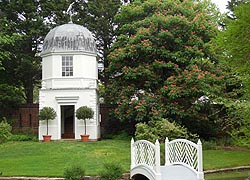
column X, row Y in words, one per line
column 69, row 38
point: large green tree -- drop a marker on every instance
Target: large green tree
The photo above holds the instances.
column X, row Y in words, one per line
column 23, row 66
column 161, row 64
column 234, row 3
column 235, row 45
column 7, row 41
column 10, row 95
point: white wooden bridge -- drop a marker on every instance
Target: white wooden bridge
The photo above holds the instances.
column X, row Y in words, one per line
column 183, row 160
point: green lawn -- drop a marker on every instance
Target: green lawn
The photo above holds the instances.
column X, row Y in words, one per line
column 50, row 159
column 214, row 159
column 237, row 175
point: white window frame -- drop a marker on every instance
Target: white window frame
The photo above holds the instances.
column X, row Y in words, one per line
column 67, row 66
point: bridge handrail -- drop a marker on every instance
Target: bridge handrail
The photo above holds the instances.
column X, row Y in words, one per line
column 145, row 153
column 185, row 152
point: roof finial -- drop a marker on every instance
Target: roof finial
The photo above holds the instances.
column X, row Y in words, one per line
column 70, row 12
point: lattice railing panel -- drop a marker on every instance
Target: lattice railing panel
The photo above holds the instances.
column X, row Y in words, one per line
column 144, row 153
column 183, row 152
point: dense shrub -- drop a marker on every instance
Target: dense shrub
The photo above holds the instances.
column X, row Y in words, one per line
column 5, row 131
column 23, row 137
column 111, row 171
column 119, row 136
column 10, row 97
column 74, row 172
column 160, row 129
column 241, row 134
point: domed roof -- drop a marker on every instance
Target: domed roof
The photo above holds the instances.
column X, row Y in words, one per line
column 69, row 38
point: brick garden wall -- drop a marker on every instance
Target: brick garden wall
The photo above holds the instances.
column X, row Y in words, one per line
column 26, row 118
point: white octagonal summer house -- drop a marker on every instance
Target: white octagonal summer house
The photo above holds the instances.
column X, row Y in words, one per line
column 69, row 81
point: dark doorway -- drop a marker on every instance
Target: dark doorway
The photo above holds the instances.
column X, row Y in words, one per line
column 139, row 177
column 67, row 121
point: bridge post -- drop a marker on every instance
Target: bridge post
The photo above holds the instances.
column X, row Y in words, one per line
column 132, row 154
column 200, row 174
column 167, row 162
column 157, row 160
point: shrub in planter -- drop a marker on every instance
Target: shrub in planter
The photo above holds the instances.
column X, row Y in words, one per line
column 74, row 172
column 84, row 113
column 46, row 114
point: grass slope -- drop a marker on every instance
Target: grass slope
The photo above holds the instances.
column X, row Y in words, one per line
column 215, row 159
column 238, row 175
column 50, row 159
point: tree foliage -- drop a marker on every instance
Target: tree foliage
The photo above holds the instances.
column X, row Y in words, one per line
column 235, row 45
column 7, row 42
column 23, row 66
column 232, row 4
column 84, row 112
column 162, row 62
column 46, row 114
column 160, row 129
column 10, row 94
column 10, row 97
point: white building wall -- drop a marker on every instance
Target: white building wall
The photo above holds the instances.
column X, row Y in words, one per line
column 78, row 98
column 47, row 67
column 78, row 90
column 87, row 67
column 85, row 72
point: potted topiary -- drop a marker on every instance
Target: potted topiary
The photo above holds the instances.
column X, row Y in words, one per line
column 47, row 113
column 84, row 113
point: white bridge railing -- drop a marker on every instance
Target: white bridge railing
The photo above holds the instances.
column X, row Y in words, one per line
column 185, row 152
column 179, row 151
column 145, row 153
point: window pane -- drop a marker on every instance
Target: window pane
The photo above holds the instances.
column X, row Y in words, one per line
column 67, row 65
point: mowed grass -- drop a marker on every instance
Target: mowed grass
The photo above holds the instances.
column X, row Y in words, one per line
column 215, row 159
column 50, row 159
column 237, row 175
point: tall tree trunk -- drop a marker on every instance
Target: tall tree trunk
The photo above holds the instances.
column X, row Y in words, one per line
column 85, row 126
column 47, row 126
column 29, row 91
